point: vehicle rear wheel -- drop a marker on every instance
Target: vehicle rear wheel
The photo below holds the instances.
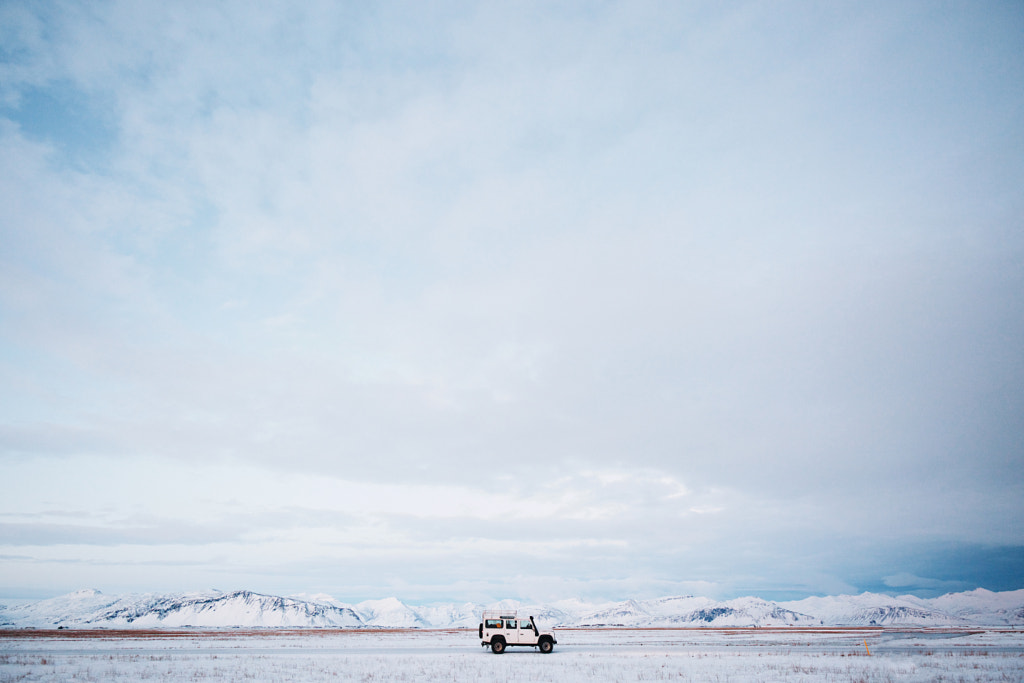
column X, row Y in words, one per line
column 546, row 646
column 497, row 647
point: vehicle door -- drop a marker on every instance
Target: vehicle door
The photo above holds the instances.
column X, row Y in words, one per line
column 493, row 627
column 511, row 631
column 527, row 634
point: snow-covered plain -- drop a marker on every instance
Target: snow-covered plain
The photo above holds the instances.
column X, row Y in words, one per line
column 734, row 655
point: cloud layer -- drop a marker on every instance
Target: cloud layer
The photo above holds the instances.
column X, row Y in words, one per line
column 623, row 300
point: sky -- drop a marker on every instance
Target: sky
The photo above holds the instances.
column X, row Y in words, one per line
column 535, row 300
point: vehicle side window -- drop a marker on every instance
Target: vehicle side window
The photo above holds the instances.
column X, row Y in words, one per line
column 492, row 623
column 510, row 623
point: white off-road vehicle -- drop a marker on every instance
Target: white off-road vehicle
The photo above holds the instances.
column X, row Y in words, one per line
column 502, row 629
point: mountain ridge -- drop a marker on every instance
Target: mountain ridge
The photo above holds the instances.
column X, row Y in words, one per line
column 89, row 608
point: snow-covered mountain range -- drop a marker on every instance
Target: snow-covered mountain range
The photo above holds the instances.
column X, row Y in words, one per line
column 215, row 609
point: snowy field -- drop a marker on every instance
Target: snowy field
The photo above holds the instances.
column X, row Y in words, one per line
column 732, row 655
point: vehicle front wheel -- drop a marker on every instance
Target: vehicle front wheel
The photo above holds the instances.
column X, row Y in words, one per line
column 497, row 647
column 546, row 646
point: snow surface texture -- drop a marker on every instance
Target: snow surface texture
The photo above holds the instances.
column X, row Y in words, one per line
column 92, row 609
column 796, row 655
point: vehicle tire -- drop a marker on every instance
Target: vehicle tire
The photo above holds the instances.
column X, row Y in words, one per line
column 497, row 646
column 546, row 646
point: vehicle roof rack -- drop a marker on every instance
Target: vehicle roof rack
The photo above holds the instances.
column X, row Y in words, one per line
column 500, row 614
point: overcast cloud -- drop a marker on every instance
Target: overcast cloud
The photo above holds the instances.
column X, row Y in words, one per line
column 472, row 301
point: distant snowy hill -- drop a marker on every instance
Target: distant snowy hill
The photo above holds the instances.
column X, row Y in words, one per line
column 89, row 609
column 689, row 611
column 390, row 613
column 870, row 609
column 980, row 606
column 214, row 609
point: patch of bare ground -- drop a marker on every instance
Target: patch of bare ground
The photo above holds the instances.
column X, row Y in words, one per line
column 142, row 634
